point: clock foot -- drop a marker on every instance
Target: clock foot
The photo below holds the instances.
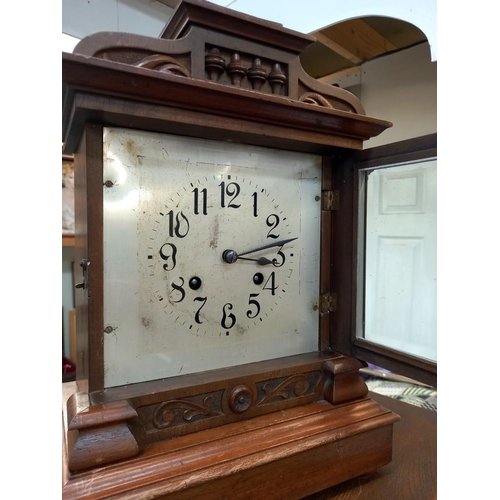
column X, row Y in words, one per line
column 97, row 435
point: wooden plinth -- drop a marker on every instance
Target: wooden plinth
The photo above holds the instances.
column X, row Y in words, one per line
column 287, row 454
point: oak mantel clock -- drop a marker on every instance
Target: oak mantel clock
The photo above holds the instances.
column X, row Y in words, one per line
column 214, row 210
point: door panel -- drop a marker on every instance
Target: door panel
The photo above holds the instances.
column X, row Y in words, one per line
column 400, row 258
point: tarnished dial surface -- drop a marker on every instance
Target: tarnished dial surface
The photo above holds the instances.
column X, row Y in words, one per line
column 211, row 254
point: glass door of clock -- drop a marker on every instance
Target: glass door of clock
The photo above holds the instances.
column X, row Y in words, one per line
column 397, row 308
column 387, row 305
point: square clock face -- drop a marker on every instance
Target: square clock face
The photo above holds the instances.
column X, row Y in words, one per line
column 211, row 254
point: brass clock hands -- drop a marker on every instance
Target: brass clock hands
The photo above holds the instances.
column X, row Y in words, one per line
column 230, row 256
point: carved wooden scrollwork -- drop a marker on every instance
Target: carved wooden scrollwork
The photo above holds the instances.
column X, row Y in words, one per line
column 166, row 413
column 249, row 398
column 315, row 98
column 267, row 61
column 297, row 386
column 164, row 64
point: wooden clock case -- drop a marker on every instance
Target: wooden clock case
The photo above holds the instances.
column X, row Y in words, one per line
column 282, row 428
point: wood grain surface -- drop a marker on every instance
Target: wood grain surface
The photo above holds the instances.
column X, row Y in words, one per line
column 412, row 474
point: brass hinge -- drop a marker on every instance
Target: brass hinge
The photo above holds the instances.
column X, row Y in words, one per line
column 328, row 302
column 331, row 200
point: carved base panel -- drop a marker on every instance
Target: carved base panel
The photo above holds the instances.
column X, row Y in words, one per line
column 286, row 454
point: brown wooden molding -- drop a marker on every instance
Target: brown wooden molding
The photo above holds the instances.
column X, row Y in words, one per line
column 345, row 382
column 216, row 75
column 234, row 394
column 210, row 16
column 245, row 399
column 173, row 97
column 242, row 460
column 191, row 403
column 101, row 433
column 416, row 148
column 98, row 435
column 204, row 42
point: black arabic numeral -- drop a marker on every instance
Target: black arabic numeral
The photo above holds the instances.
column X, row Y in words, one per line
column 272, row 221
column 168, row 251
column 282, row 255
column 231, row 317
column 273, row 284
column 196, row 201
column 180, row 289
column 232, row 189
column 255, row 214
column 181, row 226
column 197, row 315
column 253, row 302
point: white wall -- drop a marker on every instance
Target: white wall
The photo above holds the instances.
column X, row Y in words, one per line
column 400, row 88
column 141, row 17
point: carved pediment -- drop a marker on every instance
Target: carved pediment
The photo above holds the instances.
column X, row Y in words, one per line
column 205, row 42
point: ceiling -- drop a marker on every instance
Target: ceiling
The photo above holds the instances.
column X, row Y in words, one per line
column 342, row 48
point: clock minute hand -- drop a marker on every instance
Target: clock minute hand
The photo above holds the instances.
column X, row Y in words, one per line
column 264, row 247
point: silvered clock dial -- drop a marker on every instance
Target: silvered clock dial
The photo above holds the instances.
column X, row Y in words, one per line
column 211, row 254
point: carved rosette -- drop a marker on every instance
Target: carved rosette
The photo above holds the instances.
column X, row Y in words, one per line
column 337, row 381
column 241, row 399
column 248, row 399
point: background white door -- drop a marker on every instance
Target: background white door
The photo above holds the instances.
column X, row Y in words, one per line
column 400, row 258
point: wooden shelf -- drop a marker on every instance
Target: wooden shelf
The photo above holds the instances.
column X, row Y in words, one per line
column 68, row 240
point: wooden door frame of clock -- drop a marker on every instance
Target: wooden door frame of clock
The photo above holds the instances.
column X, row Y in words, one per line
column 344, row 269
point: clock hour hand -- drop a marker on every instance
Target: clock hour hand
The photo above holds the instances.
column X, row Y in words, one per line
column 262, row 260
column 270, row 245
column 230, row 256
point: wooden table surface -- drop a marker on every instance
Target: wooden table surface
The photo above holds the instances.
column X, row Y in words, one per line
column 412, row 474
